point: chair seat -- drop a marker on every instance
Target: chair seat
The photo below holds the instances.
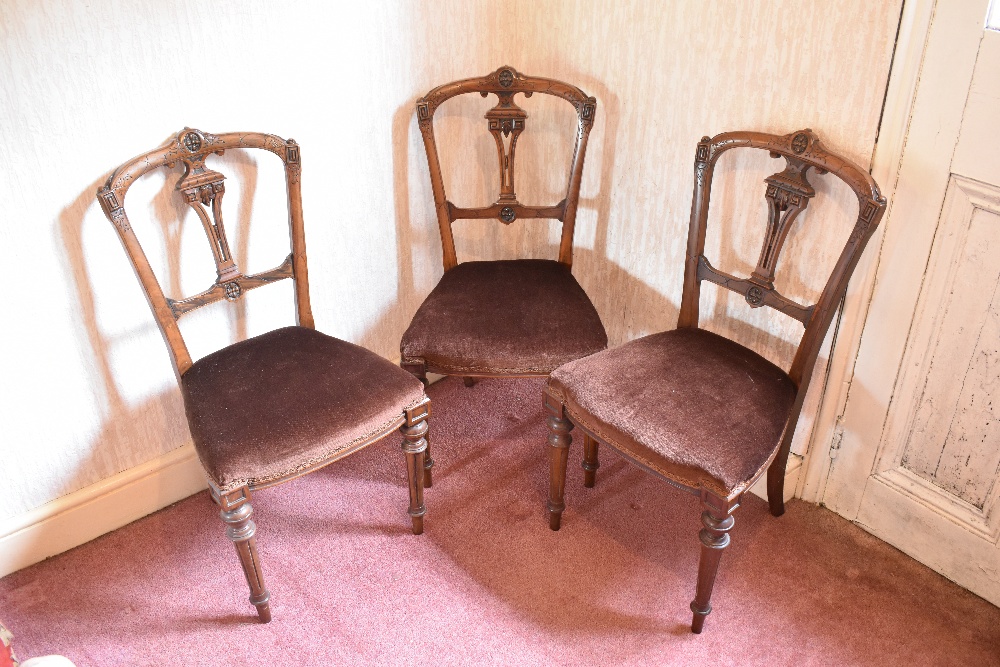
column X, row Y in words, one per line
column 271, row 406
column 506, row 317
column 693, row 406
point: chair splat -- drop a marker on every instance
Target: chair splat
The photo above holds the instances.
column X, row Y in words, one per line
column 506, row 121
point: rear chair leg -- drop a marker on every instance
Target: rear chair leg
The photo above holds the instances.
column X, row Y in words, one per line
column 236, row 514
column 469, row 382
column 415, row 446
column 590, row 463
column 559, row 441
column 714, row 538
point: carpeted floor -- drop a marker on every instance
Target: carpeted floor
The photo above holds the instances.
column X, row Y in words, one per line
column 488, row 583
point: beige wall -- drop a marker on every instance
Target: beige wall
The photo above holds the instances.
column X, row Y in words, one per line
column 88, row 390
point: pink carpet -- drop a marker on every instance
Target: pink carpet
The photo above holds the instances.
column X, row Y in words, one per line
column 488, row 583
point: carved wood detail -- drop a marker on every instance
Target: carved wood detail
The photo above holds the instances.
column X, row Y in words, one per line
column 202, row 189
column 788, row 193
column 506, row 121
column 755, row 294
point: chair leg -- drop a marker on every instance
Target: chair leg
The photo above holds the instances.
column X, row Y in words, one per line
column 776, row 482
column 714, row 538
column 559, row 441
column 469, row 382
column 236, row 514
column 415, row 447
column 590, row 463
column 420, row 371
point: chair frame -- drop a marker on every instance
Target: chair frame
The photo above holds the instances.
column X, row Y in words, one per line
column 506, row 119
column 788, row 193
column 203, row 189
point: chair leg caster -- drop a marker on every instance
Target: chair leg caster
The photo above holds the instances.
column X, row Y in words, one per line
column 555, row 516
column 263, row 610
column 698, row 620
column 418, row 524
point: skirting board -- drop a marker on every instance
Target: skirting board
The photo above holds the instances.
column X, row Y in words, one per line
column 84, row 515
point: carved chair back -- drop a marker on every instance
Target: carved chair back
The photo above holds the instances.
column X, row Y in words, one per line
column 202, row 189
column 505, row 122
column 788, row 193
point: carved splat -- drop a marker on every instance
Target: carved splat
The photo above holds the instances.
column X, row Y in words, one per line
column 201, row 188
column 506, row 122
column 787, row 194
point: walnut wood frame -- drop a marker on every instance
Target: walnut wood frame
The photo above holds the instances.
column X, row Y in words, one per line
column 788, row 193
column 202, row 189
column 506, row 119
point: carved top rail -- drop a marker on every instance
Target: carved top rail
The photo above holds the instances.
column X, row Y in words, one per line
column 202, row 189
column 788, row 193
column 506, row 121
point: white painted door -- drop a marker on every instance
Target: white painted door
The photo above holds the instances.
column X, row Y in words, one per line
column 917, row 458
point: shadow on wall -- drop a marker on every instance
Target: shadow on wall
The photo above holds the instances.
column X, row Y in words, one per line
column 132, row 434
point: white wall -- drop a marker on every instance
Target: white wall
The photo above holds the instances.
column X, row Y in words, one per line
column 88, row 390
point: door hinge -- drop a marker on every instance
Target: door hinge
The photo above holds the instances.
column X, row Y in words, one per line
column 838, row 436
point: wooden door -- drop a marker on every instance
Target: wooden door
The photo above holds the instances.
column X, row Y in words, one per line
column 916, row 458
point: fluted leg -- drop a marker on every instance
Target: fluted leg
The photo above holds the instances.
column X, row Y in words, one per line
column 590, row 463
column 419, row 370
column 714, row 538
column 415, row 446
column 236, row 514
column 559, row 441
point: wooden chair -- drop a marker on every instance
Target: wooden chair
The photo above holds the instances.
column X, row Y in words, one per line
column 508, row 318
column 276, row 406
column 703, row 413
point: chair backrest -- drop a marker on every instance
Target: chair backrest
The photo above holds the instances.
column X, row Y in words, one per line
column 505, row 122
column 788, row 193
column 202, row 189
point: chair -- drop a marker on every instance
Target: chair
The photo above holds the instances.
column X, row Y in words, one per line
column 508, row 318
column 702, row 412
column 276, row 406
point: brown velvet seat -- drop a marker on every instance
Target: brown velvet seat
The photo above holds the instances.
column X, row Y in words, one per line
column 496, row 318
column 702, row 412
column 517, row 318
column 275, row 405
column 694, row 406
column 268, row 409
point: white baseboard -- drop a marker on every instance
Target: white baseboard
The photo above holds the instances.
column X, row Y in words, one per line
column 92, row 511
column 792, row 471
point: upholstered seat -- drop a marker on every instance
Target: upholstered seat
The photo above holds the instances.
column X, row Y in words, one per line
column 277, row 406
column 698, row 410
column 270, row 406
column 498, row 318
column 695, row 406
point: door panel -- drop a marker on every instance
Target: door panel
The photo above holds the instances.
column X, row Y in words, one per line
column 920, row 461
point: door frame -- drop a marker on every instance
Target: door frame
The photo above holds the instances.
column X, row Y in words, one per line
column 931, row 73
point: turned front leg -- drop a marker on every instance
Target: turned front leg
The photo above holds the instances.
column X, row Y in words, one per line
column 415, row 446
column 419, row 370
column 559, row 441
column 240, row 529
column 714, row 538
